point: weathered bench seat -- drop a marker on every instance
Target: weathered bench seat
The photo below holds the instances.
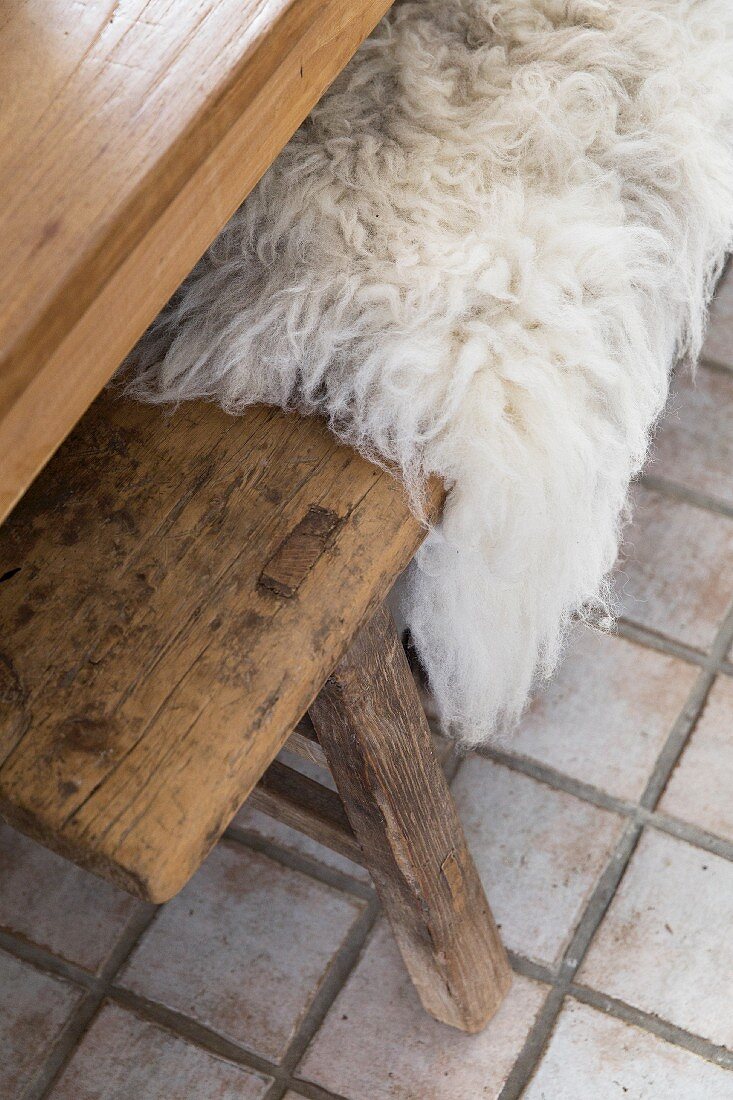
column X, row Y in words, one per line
column 176, row 591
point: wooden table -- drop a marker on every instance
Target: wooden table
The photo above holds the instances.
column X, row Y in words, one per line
column 116, row 174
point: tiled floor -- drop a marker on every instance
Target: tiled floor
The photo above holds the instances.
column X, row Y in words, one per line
column 603, row 832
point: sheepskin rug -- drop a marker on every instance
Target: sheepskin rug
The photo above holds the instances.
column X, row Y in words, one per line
column 480, row 257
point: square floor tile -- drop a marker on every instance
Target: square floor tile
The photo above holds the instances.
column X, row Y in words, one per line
column 243, row 948
column 33, row 1010
column 701, row 787
column 268, row 828
column 675, row 574
column 595, row 1056
column 719, row 341
column 539, row 852
column 122, row 1056
column 607, row 712
column 665, row 945
column 694, row 444
column 53, row 903
column 378, row 1043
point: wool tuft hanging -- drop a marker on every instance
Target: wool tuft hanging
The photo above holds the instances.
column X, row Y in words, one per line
column 480, row 257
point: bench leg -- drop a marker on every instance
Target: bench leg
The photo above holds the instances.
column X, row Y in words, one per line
column 374, row 733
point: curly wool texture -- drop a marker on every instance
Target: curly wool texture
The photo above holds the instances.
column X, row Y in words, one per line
column 479, row 257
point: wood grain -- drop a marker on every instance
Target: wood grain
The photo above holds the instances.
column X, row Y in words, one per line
column 377, row 742
column 304, row 743
column 303, row 804
column 147, row 678
column 130, row 130
column 299, row 551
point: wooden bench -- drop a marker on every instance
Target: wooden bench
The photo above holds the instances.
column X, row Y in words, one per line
column 176, row 591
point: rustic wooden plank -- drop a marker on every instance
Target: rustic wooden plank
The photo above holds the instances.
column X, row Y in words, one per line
column 147, row 678
column 130, row 130
column 304, row 743
column 303, row 804
column 376, row 739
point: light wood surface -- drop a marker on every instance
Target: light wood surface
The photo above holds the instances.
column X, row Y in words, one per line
column 149, row 669
column 130, row 130
column 374, row 733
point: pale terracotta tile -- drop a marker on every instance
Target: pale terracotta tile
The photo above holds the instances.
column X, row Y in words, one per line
column 378, row 1043
column 268, row 828
column 665, row 944
column 539, row 852
column 607, row 712
column 694, row 444
column 701, row 787
column 243, row 948
column 33, row 1010
column 53, row 903
column 719, row 341
column 122, row 1056
column 675, row 573
column 592, row 1055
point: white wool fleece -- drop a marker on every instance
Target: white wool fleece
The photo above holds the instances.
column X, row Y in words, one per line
column 479, row 257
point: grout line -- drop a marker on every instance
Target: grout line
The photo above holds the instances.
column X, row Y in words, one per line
column 41, row 959
column 205, row 1038
column 562, row 984
column 543, row 1027
column 713, row 364
column 78, row 1023
column 704, row 1048
column 311, row 1091
column 687, row 495
column 652, row 639
column 198, row 1034
column 534, row 1046
column 335, row 980
column 595, row 796
column 692, row 834
column 530, row 968
column 691, row 711
column 66, row 1043
column 346, row 962
column 649, row 638
column 677, row 739
column 96, row 989
column 600, row 900
column 192, row 1031
column 548, row 775
column 100, row 988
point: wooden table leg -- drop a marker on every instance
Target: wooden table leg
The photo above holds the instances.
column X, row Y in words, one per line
column 376, row 738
